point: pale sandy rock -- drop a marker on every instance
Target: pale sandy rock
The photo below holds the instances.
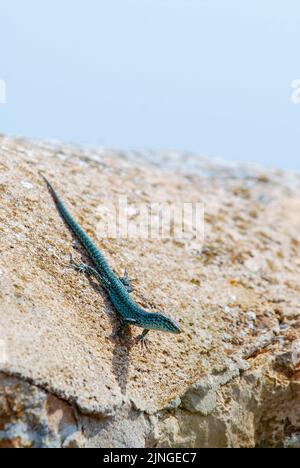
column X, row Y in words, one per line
column 231, row 379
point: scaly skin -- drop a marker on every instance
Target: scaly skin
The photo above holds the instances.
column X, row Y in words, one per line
column 129, row 311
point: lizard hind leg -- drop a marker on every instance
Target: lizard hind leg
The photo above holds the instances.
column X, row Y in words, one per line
column 88, row 270
column 126, row 281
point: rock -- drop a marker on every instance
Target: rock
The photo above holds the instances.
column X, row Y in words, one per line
column 231, row 379
column 32, row 417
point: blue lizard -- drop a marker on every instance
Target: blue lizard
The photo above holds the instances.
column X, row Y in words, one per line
column 118, row 289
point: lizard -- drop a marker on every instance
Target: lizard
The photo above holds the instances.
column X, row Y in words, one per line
column 117, row 288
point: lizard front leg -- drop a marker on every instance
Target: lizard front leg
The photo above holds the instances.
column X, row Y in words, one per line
column 144, row 339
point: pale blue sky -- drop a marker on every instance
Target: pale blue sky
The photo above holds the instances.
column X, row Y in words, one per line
column 209, row 76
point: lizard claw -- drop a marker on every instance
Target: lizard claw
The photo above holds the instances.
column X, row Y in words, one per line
column 144, row 341
column 127, row 281
column 81, row 267
column 72, row 261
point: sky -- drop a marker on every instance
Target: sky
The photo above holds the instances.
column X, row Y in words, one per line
column 212, row 77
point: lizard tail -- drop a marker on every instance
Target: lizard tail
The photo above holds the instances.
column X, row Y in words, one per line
column 49, row 186
column 77, row 230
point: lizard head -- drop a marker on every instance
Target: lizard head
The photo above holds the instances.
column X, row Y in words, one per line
column 169, row 325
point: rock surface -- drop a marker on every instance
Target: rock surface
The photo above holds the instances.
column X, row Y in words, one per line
column 231, row 379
